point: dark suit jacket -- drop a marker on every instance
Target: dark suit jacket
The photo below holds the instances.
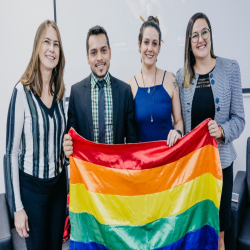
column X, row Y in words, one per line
column 80, row 112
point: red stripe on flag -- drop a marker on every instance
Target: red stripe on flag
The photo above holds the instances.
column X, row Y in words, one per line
column 140, row 155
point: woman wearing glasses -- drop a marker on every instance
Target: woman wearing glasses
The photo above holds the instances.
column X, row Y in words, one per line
column 155, row 91
column 210, row 87
column 35, row 176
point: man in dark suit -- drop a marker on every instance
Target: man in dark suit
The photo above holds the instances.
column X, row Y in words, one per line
column 101, row 107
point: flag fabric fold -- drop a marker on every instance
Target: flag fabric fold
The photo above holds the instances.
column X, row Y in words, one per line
column 145, row 195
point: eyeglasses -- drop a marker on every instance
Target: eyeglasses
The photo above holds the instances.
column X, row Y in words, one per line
column 204, row 35
column 48, row 43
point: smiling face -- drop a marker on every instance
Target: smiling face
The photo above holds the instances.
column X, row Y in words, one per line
column 99, row 55
column 201, row 48
column 149, row 47
column 49, row 51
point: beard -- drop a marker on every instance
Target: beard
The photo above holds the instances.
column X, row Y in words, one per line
column 102, row 73
column 99, row 76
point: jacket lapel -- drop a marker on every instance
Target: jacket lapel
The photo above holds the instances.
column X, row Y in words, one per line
column 189, row 95
column 216, row 87
column 115, row 97
column 88, row 107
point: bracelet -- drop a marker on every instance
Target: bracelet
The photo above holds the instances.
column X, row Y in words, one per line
column 222, row 132
column 222, row 136
column 179, row 132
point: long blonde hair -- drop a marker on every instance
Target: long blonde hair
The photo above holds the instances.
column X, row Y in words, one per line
column 32, row 77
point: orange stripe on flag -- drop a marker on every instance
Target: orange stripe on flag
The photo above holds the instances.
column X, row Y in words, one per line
column 106, row 180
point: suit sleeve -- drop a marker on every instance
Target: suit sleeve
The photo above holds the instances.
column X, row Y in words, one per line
column 131, row 129
column 234, row 127
column 15, row 122
column 71, row 123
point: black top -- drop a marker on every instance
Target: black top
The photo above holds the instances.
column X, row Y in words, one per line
column 203, row 102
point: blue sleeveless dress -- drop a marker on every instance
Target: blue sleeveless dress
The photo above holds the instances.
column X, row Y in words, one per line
column 161, row 113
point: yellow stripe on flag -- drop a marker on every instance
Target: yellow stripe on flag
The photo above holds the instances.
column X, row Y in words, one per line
column 143, row 209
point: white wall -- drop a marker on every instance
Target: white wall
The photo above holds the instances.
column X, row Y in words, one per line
column 240, row 144
column 121, row 19
column 19, row 21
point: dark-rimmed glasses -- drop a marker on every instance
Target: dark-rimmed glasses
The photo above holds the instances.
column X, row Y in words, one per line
column 204, row 35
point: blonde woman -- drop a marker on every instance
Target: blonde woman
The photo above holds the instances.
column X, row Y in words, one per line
column 34, row 162
column 210, row 87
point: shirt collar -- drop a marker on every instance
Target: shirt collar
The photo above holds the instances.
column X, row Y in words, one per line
column 94, row 79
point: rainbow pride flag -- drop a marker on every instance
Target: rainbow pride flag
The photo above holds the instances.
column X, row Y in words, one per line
column 145, row 195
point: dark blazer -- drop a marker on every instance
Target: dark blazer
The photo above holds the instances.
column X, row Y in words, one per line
column 80, row 112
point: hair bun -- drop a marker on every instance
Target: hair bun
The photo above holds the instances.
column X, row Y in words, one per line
column 155, row 19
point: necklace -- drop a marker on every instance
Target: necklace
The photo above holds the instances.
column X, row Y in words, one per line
column 144, row 83
column 151, row 114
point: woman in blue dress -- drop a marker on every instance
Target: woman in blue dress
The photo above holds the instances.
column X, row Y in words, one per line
column 155, row 91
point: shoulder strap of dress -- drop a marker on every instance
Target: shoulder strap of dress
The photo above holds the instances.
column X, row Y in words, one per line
column 136, row 81
column 164, row 77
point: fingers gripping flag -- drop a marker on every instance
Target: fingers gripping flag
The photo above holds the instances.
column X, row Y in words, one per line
column 146, row 195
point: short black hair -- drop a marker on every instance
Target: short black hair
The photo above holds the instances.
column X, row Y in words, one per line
column 96, row 30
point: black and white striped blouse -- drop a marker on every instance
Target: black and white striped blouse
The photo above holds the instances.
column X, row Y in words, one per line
column 33, row 139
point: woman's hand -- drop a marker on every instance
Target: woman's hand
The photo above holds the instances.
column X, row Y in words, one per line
column 173, row 136
column 67, row 145
column 21, row 223
column 214, row 129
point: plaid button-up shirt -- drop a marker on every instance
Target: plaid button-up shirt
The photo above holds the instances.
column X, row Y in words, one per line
column 108, row 108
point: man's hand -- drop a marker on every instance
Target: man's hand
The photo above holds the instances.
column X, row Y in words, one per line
column 21, row 223
column 67, row 145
